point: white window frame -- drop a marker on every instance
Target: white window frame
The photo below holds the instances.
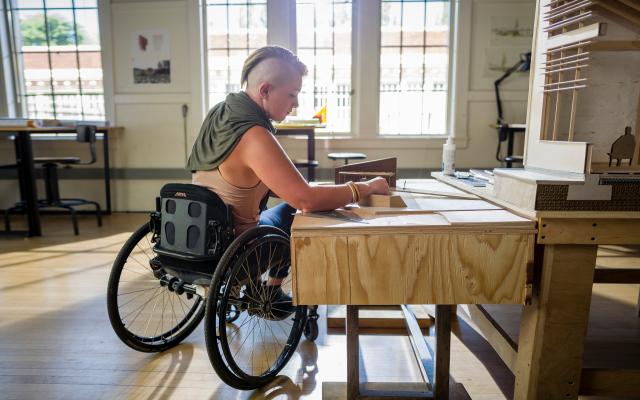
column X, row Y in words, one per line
column 8, row 97
column 12, row 85
column 365, row 83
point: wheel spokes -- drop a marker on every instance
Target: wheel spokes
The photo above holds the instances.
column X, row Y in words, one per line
column 149, row 310
column 258, row 341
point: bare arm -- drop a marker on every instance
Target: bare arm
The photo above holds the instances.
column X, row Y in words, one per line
column 261, row 152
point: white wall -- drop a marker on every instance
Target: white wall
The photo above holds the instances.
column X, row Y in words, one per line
column 153, row 138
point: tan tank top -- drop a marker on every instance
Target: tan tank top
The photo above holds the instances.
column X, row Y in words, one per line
column 244, row 202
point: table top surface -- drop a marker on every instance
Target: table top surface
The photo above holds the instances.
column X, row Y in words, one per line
column 432, row 206
column 487, row 193
column 51, row 129
column 291, row 126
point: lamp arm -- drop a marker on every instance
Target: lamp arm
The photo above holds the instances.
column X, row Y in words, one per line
column 497, row 83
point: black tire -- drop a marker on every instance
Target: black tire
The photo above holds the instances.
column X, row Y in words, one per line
column 311, row 330
column 128, row 299
column 233, row 277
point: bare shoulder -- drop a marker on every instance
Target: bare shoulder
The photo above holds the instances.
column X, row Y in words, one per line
column 257, row 133
column 258, row 138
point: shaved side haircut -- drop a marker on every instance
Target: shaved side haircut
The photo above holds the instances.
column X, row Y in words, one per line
column 275, row 56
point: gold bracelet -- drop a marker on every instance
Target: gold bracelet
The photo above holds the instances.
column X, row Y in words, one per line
column 355, row 187
column 354, row 193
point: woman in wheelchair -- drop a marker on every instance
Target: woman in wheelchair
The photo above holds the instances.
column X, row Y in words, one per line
column 214, row 242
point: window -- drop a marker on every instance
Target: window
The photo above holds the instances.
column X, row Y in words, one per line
column 414, row 64
column 412, row 59
column 324, row 45
column 234, row 30
column 57, row 49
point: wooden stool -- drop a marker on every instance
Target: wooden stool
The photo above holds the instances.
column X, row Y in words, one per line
column 347, row 156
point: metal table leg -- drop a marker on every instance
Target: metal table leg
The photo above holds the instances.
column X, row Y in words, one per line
column 27, row 178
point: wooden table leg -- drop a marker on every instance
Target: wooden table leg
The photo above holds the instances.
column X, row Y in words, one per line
column 353, row 354
column 554, row 326
column 443, row 351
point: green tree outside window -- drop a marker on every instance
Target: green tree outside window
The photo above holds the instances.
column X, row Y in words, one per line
column 60, row 31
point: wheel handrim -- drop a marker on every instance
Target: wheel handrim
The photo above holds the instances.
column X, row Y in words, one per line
column 256, row 346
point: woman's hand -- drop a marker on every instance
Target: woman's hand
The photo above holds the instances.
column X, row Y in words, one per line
column 377, row 185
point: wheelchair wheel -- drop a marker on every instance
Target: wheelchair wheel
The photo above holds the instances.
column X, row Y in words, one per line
column 145, row 314
column 249, row 353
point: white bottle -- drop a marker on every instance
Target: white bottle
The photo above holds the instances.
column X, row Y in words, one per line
column 449, row 157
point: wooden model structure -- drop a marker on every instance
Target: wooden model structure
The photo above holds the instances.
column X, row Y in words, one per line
column 585, row 84
column 584, row 91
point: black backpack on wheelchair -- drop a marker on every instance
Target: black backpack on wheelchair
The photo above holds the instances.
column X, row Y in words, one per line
column 186, row 264
column 192, row 231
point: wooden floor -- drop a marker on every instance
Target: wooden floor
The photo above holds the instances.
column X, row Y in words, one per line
column 56, row 341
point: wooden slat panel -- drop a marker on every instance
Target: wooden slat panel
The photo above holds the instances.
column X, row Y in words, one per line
column 439, row 268
column 576, row 35
column 320, row 270
column 569, row 21
column 567, row 8
column 588, row 231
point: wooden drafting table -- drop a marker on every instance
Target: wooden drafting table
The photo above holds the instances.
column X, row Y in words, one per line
column 471, row 253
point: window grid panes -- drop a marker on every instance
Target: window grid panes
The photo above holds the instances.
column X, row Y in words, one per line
column 57, row 44
column 324, row 45
column 414, row 64
column 234, row 30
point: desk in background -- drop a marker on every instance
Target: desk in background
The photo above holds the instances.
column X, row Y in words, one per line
column 307, row 130
column 507, row 132
column 23, row 137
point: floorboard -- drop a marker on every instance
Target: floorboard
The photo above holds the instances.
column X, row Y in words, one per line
column 56, row 341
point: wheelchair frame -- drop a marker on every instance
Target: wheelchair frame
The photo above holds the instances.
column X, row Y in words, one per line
column 200, row 269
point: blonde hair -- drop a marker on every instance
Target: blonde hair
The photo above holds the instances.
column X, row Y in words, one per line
column 267, row 52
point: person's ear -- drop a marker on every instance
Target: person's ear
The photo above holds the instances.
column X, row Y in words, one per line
column 263, row 90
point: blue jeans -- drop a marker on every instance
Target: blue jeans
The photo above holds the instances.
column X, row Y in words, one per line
column 280, row 216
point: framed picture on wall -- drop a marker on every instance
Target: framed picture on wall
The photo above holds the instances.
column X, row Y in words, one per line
column 151, row 57
column 151, row 48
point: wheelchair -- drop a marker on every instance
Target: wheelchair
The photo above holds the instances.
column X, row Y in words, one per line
column 184, row 265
